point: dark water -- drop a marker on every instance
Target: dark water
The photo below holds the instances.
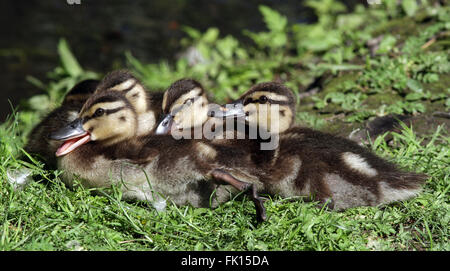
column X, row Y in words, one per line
column 100, row 31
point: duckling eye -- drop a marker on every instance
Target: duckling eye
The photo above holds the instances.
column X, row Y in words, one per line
column 99, row 112
column 189, row 101
column 263, row 99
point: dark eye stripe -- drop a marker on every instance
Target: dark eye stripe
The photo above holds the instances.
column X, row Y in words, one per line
column 129, row 88
column 106, row 99
column 192, row 99
column 278, row 102
column 112, row 111
column 107, row 112
column 250, row 100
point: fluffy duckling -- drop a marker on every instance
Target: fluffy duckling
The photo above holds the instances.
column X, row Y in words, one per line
column 102, row 147
column 322, row 166
column 185, row 106
column 269, row 106
column 147, row 104
column 266, row 110
column 38, row 142
column 187, row 113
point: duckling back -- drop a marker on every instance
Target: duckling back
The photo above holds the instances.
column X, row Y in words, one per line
column 329, row 168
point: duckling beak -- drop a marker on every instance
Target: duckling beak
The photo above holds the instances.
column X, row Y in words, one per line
column 165, row 125
column 73, row 135
column 234, row 110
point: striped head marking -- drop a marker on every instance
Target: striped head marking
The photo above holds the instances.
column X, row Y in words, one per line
column 109, row 117
column 124, row 82
column 81, row 92
column 270, row 106
column 186, row 101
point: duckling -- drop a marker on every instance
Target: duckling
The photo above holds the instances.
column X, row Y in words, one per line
column 185, row 106
column 102, row 146
column 147, row 104
column 322, row 166
column 269, row 105
column 269, row 110
column 187, row 110
column 38, row 142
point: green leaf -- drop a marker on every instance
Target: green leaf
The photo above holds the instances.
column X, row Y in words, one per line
column 430, row 78
column 275, row 22
column 192, row 32
column 386, row 44
column 349, row 21
column 69, row 62
column 414, row 85
column 36, row 82
column 359, row 116
column 414, row 96
column 211, row 35
column 336, row 97
column 279, row 40
column 409, row 7
column 227, row 46
column 319, row 103
column 39, row 102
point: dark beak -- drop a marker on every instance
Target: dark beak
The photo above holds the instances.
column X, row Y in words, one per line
column 72, row 130
column 165, row 125
column 233, row 110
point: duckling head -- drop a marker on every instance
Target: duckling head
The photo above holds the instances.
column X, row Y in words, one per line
column 185, row 105
column 106, row 117
column 124, row 82
column 270, row 106
column 146, row 104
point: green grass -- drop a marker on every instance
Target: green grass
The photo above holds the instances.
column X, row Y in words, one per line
column 46, row 215
column 400, row 78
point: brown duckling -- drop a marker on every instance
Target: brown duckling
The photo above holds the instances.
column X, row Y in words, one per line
column 102, row 147
column 187, row 111
column 185, row 106
column 38, row 142
column 147, row 104
column 269, row 105
column 325, row 167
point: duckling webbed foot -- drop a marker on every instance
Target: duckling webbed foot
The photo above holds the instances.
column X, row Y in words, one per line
column 249, row 188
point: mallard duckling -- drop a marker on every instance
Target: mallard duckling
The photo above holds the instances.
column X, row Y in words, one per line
column 270, row 106
column 187, row 113
column 147, row 104
column 38, row 142
column 102, row 147
column 185, row 106
column 323, row 166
